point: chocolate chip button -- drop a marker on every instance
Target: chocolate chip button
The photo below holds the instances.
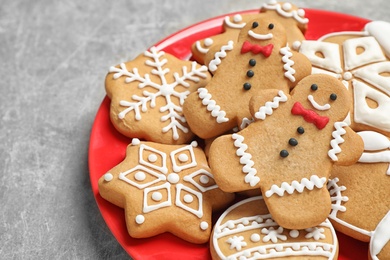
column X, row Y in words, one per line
column 293, row 142
column 300, row 130
column 250, row 73
column 284, row 153
column 247, row 86
column 252, row 62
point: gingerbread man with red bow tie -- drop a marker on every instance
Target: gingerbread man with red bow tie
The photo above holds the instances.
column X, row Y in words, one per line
column 258, row 59
column 289, row 150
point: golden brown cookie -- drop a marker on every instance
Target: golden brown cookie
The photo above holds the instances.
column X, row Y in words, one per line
column 259, row 59
column 289, row 150
column 165, row 188
column 247, row 230
column 147, row 95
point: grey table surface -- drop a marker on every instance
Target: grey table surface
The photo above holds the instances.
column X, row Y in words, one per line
column 54, row 56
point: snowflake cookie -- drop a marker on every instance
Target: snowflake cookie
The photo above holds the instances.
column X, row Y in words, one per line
column 147, row 95
column 361, row 60
column 289, row 15
column 258, row 59
column 247, row 230
column 164, row 188
column 361, row 196
column 290, row 149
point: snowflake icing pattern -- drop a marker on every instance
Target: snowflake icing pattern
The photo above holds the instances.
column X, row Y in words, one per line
column 171, row 112
column 236, row 242
column 273, row 235
column 316, row 233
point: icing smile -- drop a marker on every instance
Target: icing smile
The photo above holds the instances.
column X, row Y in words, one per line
column 316, row 105
column 258, row 36
column 296, row 186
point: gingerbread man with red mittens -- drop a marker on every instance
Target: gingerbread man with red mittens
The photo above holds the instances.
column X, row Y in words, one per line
column 289, row 151
column 259, row 59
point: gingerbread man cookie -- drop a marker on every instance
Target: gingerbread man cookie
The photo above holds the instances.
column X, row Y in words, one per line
column 165, row 188
column 290, row 149
column 289, row 15
column 246, row 230
column 259, row 59
column 147, row 95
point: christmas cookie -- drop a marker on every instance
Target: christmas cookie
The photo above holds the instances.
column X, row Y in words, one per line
column 259, row 59
column 164, row 188
column 360, row 195
column 247, row 230
column 289, row 15
column 147, row 95
column 361, row 61
column 290, row 149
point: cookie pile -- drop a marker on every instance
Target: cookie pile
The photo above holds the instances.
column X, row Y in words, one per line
column 300, row 128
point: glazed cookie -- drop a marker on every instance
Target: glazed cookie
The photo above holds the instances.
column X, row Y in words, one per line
column 361, row 61
column 165, row 188
column 360, row 195
column 247, row 230
column 258, row 60
column 147, row 95
column 289, row 150
column 289, row 15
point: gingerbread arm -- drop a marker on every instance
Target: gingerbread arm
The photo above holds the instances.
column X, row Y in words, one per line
column 215, row 55
column 346, row 145
column 291, row 72
column 264, row 105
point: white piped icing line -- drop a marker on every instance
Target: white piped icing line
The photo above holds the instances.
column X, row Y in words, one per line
column 316, row 105
column 380, row 237
column 269, row 106
column 288, row 63
column 207, row 43
column 245, row 159
column 237, row 22
column 286, row 11
column 259, row 36
column 245, row 122
column 211, row 106
column 171, row 112
column 213, row 65
column 260, row 237
column 337, row 139
column 305, row 183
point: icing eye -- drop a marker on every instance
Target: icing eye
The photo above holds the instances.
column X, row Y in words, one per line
column 255, row 24
column 271, row 26
column 333, row 96
column 314, row 87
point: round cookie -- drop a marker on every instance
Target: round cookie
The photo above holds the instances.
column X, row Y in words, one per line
column 147, row 95
column 246, row 230
column 165, row 188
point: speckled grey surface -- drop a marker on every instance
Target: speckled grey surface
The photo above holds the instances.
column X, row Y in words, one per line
column 53, row 60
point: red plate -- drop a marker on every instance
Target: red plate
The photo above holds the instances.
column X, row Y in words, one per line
column 107, row 147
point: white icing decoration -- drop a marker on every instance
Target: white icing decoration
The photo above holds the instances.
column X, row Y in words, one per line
column 197, row 212
column 294, row 233
column 236, row 242
column 337, row 139
column 314, row 181
column 204, row 179
column 207, row 43
column 315, row 233
column 378, row 117
column 173, row 178
column 202, row 172
column 139, row 219
column 204, row 225
column 347, row 75
column 380, row 237
column 139, row 172
column 298, row 15
column 194, row 144
column 156, row 196
column 216, row 111
column 245, row 122
column 371, row 74
column 135, row 141
column 381, row 31
column 269, row 106
column 152, row 158
column 259, row 36
column 372, row 52
column 374, row 141
column 288, row 63
column 245, row 159
column 145, row 148
column 148, row 208
column 255, row 237
column 213, row 65
column 108, row 177
column 296, row 45
column 183, row 157
column 192, row 163
column 316, row 105
column 140, row 176
column 273, row 235
column 171, row 112
column 236, row 19
column 188, row 198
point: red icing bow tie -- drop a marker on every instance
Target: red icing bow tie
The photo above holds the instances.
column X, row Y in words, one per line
column 310, row 116
column 256, row 49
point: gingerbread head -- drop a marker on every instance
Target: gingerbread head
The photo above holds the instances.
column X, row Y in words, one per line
column 289, row 150
column 258, row 59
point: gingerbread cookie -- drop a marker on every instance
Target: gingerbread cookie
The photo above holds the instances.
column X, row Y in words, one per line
column 147, row 95
column 289, row 150
column 258, row 60
column 247, row 230
column 165, row 188
column 360, row 195
column 361, row 61
column 289, row 15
